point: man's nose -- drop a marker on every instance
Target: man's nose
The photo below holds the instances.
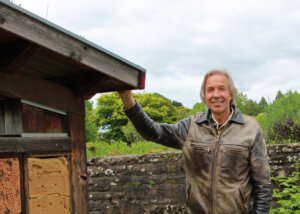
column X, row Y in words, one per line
column 216, row 93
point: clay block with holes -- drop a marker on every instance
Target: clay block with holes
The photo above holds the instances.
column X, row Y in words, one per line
column 10, row 197
column 48, row 185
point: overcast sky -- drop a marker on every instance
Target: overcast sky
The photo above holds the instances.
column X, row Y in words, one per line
column 177, row 41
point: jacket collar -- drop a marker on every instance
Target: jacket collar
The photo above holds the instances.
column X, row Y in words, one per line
column 237, row 116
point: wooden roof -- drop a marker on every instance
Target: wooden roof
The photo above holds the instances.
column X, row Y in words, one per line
column 36, row 49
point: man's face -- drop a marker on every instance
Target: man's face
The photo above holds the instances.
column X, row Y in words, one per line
column 217, row 94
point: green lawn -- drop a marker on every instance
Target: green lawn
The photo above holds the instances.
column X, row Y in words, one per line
column 100, row 149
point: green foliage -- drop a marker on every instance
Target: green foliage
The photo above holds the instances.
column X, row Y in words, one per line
column 262, row 104
column 262, row 120
column 241, row 101
column 91, row 128
column 252, row 108
column 160, row 109
column 177, row 104
column 137, row 184
column 279, row 95
column 285, row 131
column 199, row 107
column 100, row 149
column 114, row 123
column 131, row 134
column 283, row 118
column 246, row 105
column 109, row 116
column 152, row 183
column 287, row 192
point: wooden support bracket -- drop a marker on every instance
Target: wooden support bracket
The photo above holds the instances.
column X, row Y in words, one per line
column 20, row 60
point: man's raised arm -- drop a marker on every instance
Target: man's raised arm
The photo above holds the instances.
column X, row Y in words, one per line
column 172, row 135
column 127, row 98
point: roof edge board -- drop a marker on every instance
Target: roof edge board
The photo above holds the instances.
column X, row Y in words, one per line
column 13, row 21
column 69, row 33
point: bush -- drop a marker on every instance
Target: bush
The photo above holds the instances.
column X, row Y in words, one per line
column 281, row 120
column 287, row 193
column 131, row 134
column 285, row 131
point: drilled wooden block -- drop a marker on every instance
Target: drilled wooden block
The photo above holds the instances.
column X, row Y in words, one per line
column 10, row 197
column 49, row 187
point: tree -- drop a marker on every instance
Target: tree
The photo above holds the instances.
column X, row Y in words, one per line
column 91, row 128
column 114, row 123
column 246, row 105
column 283, row 118
column 241, row 101
column 109, row 116
column 161, row 109
column 199, row 107
column 262, row 104
column 177, row 104
column 251, row 108
column 279, row 95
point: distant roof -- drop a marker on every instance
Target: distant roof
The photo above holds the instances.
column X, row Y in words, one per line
column 35, row 47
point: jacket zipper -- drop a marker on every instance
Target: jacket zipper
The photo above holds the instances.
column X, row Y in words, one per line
column 213, row 180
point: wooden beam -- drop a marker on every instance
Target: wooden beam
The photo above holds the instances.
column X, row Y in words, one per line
column 34, row 145
column 86, row 91
column 20, row 60
column 63, row 42
column 78, row 163
column 40, row 91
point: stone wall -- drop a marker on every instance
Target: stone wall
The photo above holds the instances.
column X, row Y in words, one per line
column 155, row 183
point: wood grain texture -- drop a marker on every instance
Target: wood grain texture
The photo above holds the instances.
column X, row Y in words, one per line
column 20, row 60
column 66, row 45
column 13, row 117
column 88, row 90
column 78, row 164
column 34, row 145
column 40, row 91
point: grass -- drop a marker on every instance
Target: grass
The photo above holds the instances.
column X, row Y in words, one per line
column 101, row 149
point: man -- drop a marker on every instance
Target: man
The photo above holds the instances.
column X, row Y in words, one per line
column 225, row 155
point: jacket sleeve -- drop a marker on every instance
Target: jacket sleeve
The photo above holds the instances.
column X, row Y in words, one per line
column 171, row 135
column 260, row 175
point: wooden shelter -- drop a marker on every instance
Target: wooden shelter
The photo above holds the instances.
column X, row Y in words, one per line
column 46, row 73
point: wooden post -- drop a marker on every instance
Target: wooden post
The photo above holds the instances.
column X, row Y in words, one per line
column 10, row 117
column 79, row 188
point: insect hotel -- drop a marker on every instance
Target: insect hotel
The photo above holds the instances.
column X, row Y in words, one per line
column 46, row 74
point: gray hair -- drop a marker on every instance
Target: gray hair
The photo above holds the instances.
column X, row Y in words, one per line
column 231, row 85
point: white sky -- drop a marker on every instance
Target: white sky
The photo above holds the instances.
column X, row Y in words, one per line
column 177, row 41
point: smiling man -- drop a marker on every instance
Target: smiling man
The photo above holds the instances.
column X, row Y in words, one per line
column 226, row 162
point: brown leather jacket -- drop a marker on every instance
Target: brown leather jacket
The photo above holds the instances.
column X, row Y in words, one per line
column 227, row 171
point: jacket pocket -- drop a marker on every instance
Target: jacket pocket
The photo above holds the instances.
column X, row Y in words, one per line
column 200, row 159
column 235, row 162
column 236, row 149
column 235, row 156
column 200, row 147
